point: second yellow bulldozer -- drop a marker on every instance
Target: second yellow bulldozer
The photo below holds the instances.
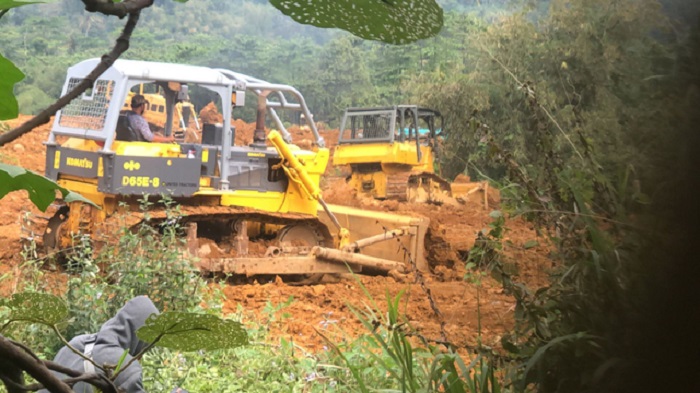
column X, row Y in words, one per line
column 392, row 153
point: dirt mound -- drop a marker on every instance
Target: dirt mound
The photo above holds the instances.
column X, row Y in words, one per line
column 453, row 230
column 339, row 192
column 244, row 132
column 210, row 114
column 325, row 308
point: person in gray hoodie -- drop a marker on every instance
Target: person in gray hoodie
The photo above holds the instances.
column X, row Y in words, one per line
column 108, row 345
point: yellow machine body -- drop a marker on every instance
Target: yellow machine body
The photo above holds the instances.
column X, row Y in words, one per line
column 266, row 193
column 392, row 153
column 392, row 161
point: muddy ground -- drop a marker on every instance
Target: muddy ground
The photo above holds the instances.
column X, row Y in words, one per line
column 326, row 307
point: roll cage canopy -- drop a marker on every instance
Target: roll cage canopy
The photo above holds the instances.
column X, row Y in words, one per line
column 95, row 113
column 386, row 124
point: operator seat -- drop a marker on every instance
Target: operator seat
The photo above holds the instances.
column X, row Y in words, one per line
column 125, row 132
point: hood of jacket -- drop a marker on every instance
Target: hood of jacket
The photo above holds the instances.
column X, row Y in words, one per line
column 121, row 329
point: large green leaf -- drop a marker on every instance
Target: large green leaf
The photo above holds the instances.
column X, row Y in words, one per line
column 7, row 4
column 37, row 307
column 10, row 75
column 392, row 21
column 42, row 191
column 191, row 332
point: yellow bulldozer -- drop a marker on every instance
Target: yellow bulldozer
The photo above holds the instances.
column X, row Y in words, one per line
column 265, row 194
column 392, row 153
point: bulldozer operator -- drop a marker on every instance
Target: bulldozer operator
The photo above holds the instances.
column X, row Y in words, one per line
column 142, row 131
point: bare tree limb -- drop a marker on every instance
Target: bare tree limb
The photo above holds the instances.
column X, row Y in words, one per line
column 61, row 369
column 66, row 343
column 11, row 353
column 108, row 59
column 26, row 348
column 121, row 9
column 101, row 381
column 97, row 380
column 139, row 355
column 8, row 364
column 12, row 383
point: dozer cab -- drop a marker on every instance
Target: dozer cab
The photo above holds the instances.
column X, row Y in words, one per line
column 392, row 153
column 257, row 206
column 186, row 127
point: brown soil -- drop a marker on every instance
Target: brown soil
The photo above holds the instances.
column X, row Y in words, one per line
column 326, row 307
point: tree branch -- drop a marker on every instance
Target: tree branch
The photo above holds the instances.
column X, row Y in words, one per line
column 60, row 368
column 66, row 343
column 138, row 355
column 108, row 59
column 26, row 349
column 121, row 9
column 10, row 352
column 97, row 380
column 15, row 384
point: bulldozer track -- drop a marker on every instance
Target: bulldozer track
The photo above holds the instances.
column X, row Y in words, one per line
column 402, row 187
column 397, row 186
column 209, row 218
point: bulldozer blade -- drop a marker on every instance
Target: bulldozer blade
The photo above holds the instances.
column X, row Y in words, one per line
column 350, row 258
column 362, row 224
column 281, row 265
column 322, row 260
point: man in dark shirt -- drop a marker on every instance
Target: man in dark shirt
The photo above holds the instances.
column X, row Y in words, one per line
column 140, row 125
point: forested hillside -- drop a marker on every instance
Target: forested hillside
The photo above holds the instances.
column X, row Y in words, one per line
column 250, row 37
column 332, row 68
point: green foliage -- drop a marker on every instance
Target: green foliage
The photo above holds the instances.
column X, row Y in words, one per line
column 260, row 367
column 7, row 4
column 488, row 244
column 140, row 262
column 11, row 75
column 582, row 83
column 33, row 99
column 395, row 22
column 171, row 329
column 37, row 308
column 42, row 191
column 267, row 45
column 386, row 358
column 94, row 295
column 343, row 80
column 145, row 260
column 191, row 332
